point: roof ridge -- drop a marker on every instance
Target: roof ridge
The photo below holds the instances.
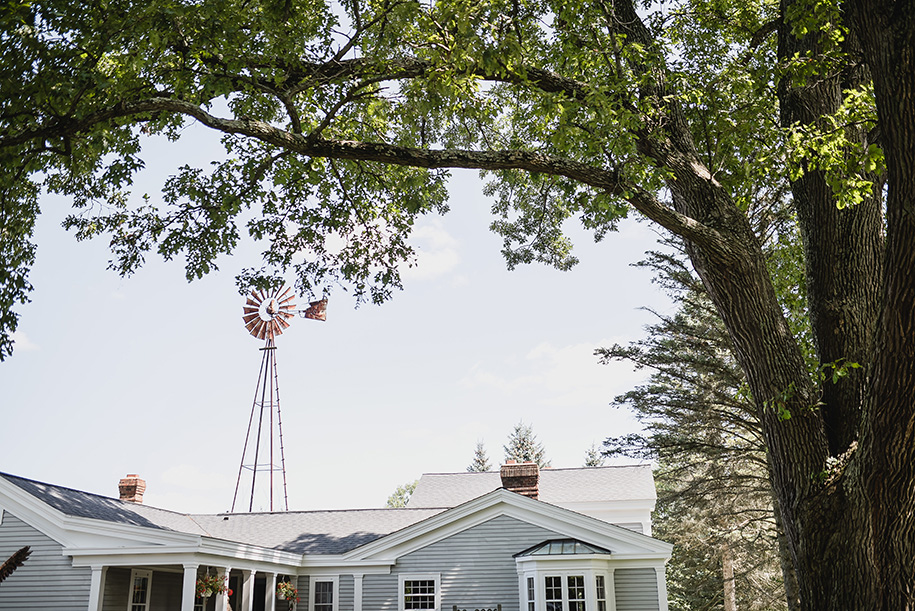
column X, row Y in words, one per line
column 314, row 511
column 546, row 470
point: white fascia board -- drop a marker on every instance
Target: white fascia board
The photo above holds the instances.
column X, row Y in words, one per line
column 32, row 511
column 336, row 565
column 131, row 532
column 243, row 551
column 610, row 506
column 502, row 502
column 205, row 552
column 72, row 531
column 131, row 556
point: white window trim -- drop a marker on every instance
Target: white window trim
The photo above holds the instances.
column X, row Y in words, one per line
column 313, row 579
column 541, row 573
column 405, row 577
column 133, row 576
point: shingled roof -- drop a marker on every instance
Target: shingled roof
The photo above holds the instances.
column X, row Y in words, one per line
column 557, row 486
column 311, row 532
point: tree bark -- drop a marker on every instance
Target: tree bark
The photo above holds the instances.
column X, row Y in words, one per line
column 727, row 577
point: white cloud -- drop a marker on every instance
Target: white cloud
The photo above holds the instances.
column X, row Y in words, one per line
column 437, row 252
column 561, row 376
column 23, row 342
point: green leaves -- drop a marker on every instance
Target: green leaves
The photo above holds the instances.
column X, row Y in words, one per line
column 18, row 211
column 850, row 166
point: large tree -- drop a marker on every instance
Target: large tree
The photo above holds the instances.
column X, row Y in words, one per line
column 701, row 429
column 339, row 119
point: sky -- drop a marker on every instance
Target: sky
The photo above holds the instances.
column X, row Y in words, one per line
column 155, row 376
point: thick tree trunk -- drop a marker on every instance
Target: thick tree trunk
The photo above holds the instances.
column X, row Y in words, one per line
column 843, row 303
column 727, row 578
column 789, row 574
column 884, row 468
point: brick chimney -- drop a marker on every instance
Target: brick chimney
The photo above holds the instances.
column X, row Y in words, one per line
column 523, row 478
column 132, row 488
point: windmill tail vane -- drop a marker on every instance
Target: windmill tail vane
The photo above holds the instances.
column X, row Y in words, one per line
column 266, row 315
column 317, row 310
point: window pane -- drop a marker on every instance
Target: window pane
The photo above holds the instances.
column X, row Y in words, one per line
column 324, row 596
column 139, row 590
column 553, row 593
column 576, row 592
column 601, row 592
column 419, row 594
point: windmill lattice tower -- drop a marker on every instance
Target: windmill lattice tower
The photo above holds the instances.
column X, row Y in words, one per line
column 266, row 316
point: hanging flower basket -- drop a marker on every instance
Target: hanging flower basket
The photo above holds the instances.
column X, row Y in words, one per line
column 286, row 591
column 208, row 585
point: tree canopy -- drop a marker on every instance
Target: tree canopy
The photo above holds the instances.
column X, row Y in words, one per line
column 523, row 446
column 339, row 121
column 401, row 495
column 480, row 462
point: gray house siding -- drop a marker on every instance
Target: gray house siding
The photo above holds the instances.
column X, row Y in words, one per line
column 347, row 591
column 636, row 589
column 47, row 580
column 476, row 565
column 302, row 586
column 164, row 590
column 117, row 583
column 379, row 593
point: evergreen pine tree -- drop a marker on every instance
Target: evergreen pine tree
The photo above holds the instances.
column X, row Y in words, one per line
column 480, row 462
column 401, row 496
column 523, row 446
column 701, row 427
column 593, row 457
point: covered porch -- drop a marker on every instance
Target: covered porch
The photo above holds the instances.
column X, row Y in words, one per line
column 149, row 579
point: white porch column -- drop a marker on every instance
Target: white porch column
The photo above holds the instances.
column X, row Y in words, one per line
column 662, row 588
column 189, row 587
column 270, row 595
column 97, row 587
column 222, row 599
column 247, row 591
column 357, row 592
column 611, row 589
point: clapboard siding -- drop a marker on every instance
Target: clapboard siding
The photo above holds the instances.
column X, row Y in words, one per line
column 302, row 585
column 379, row 593
column 476, row 565
column 636, row 589
column 117, row 585
column 48, row 579
column 164, row 590
column 347, row 590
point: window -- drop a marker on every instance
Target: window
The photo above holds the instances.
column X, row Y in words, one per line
column 419, row 592
column 324, row 596
column 323, row 593
column 601, row 593
column 139, row 590
column 553, row 594
column 531, row 595
column 572, row 599
column 576, row 592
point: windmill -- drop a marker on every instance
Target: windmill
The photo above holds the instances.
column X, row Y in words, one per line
column 266, row 315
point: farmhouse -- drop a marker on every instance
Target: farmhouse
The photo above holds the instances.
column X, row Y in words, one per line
column 520, row 539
